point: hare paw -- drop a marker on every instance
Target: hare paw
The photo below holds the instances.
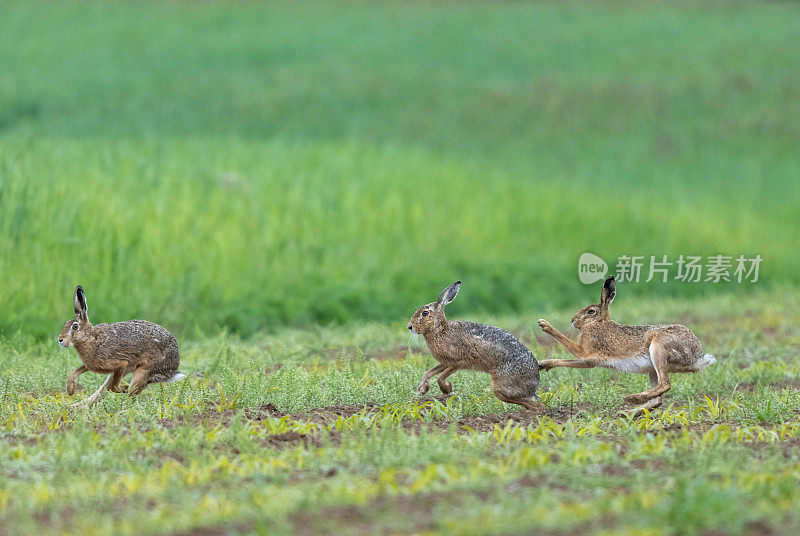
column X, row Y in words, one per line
column 73, row 387
column 121, row 388
column 638, row 398
column 546, row 365
column 634, row 413
column 423, row 388
column 90, row 401
column 446, row 387
column 545, row 325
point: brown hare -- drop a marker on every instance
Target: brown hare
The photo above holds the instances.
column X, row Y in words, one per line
column 467, row 345
column 144, row 348
column 655, row 350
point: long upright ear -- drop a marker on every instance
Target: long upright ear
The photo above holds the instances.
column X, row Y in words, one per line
column 448, row 294
column 609, row 292
column 79, row 302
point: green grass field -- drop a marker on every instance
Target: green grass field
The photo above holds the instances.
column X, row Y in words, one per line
column 317, row 431
column 284, row 183
column 254, row 165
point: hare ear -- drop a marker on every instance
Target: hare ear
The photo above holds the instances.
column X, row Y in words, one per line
column 448, row 294
column 609, row 292
column 79, row 302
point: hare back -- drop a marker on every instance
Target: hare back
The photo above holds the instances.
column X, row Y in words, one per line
column 476, row 346
column 138, row 334
column 128, row 344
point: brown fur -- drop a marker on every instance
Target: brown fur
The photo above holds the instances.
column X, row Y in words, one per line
column 656, row 350
column 466, row 345
column 144, row 348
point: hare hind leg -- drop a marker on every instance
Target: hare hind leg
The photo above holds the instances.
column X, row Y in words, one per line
column 658, row 356
column 138, row 381
column 514, row 390
column 650, row 404
column 444, row 385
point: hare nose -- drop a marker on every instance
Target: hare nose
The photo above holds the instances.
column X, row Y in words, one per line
column 60, row 340
column 409, row 327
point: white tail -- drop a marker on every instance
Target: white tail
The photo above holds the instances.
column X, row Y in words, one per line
column 178, row 376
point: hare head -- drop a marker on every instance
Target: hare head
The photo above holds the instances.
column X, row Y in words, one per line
column 77, row 328
column 597, row 313
column 430, row 318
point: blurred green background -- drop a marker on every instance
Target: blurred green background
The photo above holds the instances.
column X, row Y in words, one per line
column 242, row 165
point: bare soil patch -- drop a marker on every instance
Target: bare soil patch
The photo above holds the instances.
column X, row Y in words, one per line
column 407, row 514
column 486, row 423
column 215, row 531
column 329, row 414
column 415, row 514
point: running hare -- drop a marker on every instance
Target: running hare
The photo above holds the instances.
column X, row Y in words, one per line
column 467, row 345
column 656, row 350
column 146, row 349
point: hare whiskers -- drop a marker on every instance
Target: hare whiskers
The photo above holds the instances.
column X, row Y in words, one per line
column 413, row 340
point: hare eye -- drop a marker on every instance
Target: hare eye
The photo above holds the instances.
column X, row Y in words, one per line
column 425, row 313
column 74, row 326
column 591, row 311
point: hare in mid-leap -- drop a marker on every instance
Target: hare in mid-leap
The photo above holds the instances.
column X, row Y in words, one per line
column 144, row 348
column 655, row 350
column 467, row 345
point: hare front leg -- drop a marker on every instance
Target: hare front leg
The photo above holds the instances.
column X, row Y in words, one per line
column 115, row 388
column 446, row 386
column 72, row 381
column 424, row 385
column 658, row 356
column 571, row 346
column 97, row 395
column 547, row 364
